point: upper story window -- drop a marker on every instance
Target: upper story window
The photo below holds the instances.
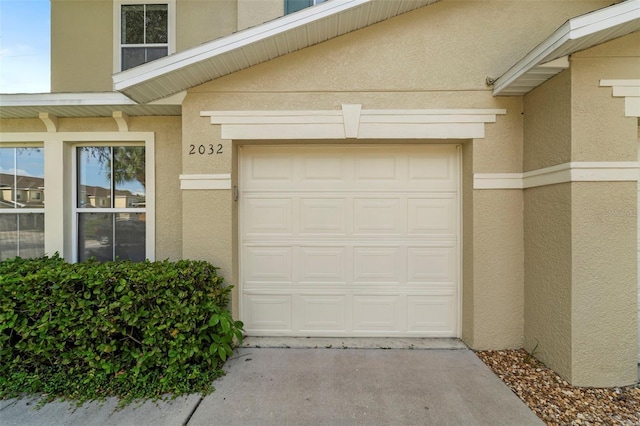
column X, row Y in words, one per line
column 291, row 6
column 145, row 31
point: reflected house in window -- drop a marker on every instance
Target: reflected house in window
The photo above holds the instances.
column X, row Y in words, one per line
column 99, row 197
column 18, row 191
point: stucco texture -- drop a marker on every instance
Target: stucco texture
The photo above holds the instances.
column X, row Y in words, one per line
column 254, row 12
column 81, row 60
column 580, row 256
column 200, row 21
column 19, row 125
column 604, row 283
column 547, row 265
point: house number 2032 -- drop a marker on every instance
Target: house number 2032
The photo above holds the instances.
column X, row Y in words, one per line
column 209, row 149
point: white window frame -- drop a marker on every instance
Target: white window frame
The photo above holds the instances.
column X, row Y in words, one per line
column 110, row 210
column 42, row 210
column 60, row 228
column 117, row 27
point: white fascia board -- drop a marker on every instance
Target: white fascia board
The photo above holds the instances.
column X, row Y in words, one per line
column 573, row 29
column 65, row 99
column 142, row 73
column 606, row 18
column 537, row 56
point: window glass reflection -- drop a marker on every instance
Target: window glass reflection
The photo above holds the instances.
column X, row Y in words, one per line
column 31, row 235
column 21, row 235
column 107, row 236
column 8, row 236
column 21, row 178
column 130, row 179
column 94, row 177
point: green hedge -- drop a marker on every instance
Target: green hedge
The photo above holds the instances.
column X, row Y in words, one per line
column 91, row 330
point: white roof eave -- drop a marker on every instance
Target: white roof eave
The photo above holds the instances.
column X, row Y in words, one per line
column 191, row 67
column 64, row 99
column 574, row 35
column 83, row 104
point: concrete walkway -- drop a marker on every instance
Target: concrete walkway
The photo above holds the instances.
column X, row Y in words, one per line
column 317, row 386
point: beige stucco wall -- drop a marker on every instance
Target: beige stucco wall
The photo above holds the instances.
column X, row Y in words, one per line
column 547, row 124
column 547, row 249
column 604, row 245
column 22, row 125
column 254, row 12
column 200, row 21
column 81, row 45
column 604, row 284
column 580, row 256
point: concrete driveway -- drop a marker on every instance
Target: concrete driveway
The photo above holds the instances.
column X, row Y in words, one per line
column 318, row 386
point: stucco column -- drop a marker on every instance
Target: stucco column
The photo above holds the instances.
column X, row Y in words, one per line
column 580, row 237
column 207, row 199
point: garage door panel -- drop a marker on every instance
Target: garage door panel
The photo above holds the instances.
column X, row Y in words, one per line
column 433, row 313
column 268, row 312
column 427, row 265
column 374, row 313
column 377, row 264
column 267, row 264
column 268, row 216
column 270, row 168
column 323, row 265
column 432, row 216
column 437, row 171
column 374, row 215
column 319, row 216
column 321, row 313
column 378, row 167
column 324, row 169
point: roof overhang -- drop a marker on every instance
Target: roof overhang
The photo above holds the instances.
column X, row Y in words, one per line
column 217, row 58
column 85, row 104
column 580, row 33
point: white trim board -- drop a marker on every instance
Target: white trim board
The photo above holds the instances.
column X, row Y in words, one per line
column 630, row 91
column 205, row 181
column 561, row 173
column 353, row 122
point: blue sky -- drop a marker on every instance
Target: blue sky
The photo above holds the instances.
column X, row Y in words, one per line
column 24, row 46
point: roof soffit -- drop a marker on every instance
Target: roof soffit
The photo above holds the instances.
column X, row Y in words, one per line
column 579, row 33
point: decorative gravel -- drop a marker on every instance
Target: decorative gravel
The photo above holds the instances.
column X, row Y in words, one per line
column 557, row 402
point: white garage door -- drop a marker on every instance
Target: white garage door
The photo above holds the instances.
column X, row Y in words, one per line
column 350, row 240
